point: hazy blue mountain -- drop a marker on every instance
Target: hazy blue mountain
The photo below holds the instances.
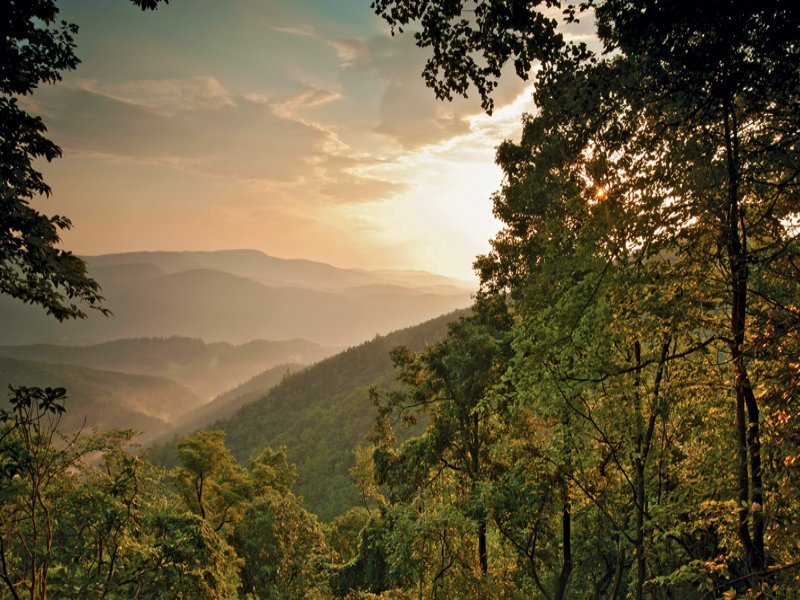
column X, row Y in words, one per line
column 206, row 369
column 105, row 399
column 237, row 296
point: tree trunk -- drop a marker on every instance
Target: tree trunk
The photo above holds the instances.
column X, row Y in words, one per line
column 751, row 495
column 566, row 564
column 638, row 465
column 615, row 592
column 482, row 556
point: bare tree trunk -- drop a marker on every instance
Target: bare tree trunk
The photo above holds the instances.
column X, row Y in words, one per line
column 751, row 494
column 615, row 591
column 566, row 554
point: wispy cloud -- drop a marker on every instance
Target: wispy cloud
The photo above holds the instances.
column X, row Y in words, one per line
column 302, row 30
column 350, row 52
column 166, row 96
column 308, row 98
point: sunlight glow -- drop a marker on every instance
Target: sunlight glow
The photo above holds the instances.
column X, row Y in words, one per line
column 443, row 219
column 600, row 193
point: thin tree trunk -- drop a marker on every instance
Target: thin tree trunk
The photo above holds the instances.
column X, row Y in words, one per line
column 615, row 592
column 644, row 439
column 638, row 464
column 566, row 554
column 482, row 556
column 751, row 494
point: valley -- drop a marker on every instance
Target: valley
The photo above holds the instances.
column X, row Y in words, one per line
column 309, row 396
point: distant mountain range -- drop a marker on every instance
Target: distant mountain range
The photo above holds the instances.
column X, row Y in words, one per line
column 148, row 368
column 206, row 369
column 240, row 295
column 153, row 384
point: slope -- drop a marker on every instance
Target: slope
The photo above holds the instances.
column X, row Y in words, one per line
column 323, row 412
column 227, row 404
column 105, row 399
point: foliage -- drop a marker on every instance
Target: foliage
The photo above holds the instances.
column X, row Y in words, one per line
column 321, row 413
column 649, row 246
column 435, row 480
column 282, row 545
column 72, row 530
column 36, row 50
column 211, row 483
column 471, row 42
column 343, row 533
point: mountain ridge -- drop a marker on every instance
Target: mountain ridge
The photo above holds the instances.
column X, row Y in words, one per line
column 208, row 369
column 236, row 296
column 105, row 399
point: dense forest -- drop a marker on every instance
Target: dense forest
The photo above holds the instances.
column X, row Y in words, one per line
column 617, row 416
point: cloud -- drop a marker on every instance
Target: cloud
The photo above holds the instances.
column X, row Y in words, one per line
column 359, row 189
column 165, row 96
column 303, row 30
column 351, row 53
column 199, row 127
column 310, row 97
column 235, row 138
column 408, row 113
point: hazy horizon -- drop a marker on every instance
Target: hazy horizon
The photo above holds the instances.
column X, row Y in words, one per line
column 470, row 278
column 237, row 296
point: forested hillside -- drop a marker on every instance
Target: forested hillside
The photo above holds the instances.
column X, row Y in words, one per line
column 321, row 413
column 228, row 403
column 106, row 399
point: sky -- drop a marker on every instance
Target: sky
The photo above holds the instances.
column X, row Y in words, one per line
column 300, row 128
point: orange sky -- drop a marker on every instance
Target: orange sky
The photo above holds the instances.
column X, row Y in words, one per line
column 301, row 129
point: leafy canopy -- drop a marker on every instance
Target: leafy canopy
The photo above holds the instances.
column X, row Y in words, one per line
column 35, row 49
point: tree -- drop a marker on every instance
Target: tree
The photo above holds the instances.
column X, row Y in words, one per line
column 270, row 469
column 120, row 534
column 472, row 41
column 36, row 49
column 283, row 547
column 450, row 383
column 693, row 121
column 69, row 529
column 31, row 468
column 213, row 485
column 342, row 534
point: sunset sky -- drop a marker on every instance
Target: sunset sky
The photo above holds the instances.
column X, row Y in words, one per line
column 297, row 127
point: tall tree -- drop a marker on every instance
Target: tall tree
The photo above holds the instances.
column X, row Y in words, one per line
column 35, row 49
column 450, row 384
column 696, row 120
column 213, row 485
